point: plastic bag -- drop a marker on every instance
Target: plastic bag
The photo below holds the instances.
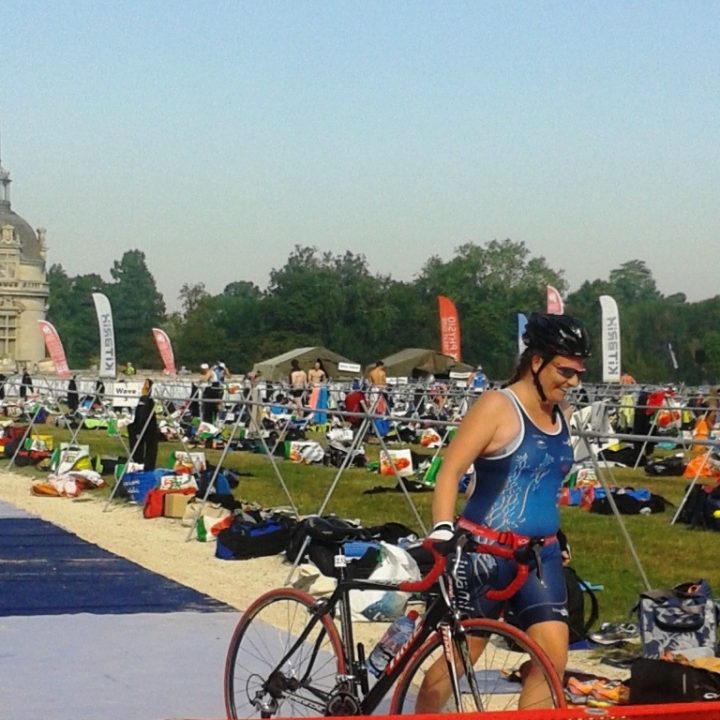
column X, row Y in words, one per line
column 384, row 605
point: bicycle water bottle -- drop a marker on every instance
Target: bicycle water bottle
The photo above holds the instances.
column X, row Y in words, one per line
column 390, row 643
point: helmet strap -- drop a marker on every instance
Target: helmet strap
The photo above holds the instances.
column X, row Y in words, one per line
column 536, row 379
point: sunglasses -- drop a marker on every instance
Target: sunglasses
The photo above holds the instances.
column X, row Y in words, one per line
column 568, row 372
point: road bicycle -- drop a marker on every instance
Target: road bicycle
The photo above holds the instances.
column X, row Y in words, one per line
column 293, row 655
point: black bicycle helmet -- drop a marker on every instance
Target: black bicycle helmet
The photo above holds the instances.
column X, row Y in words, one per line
column 551, row 335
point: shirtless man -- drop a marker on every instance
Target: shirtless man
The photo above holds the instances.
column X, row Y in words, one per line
column 377, row 375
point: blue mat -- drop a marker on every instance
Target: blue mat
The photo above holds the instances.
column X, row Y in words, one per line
column 45, row 570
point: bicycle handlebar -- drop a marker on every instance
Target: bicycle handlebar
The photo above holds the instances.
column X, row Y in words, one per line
column 441, row 550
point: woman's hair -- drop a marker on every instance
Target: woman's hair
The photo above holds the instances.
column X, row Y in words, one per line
column 523, row 365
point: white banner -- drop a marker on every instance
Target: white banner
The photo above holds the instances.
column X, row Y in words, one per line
column 610, row 339
column 107, row 367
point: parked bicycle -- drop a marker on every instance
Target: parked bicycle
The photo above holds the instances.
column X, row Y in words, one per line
column 294, row 655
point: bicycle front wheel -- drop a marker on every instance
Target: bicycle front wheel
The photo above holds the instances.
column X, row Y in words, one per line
column 505, row 664
column 256, row 684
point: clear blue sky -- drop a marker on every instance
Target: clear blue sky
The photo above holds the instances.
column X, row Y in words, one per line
column 215, row 136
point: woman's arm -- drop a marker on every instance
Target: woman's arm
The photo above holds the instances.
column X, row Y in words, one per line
column 478, row 433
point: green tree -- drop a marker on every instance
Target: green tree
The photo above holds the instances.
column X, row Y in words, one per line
column 490, row 284
column 72, row 312
column 137, row 307
column 191, row 296
column 331, row 300
column 632, row 282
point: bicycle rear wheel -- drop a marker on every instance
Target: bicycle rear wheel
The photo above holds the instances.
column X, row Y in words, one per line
column 500, row 655
column 254, row 684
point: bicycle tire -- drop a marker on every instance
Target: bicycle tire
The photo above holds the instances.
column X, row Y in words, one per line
column 496, row 671
column 263, row 635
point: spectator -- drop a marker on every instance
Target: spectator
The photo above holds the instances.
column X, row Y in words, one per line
column 26, row 384
column 703, row 430
column 317, row 373
column 478, row 381
column 73, row 399
column 207, row 378
column 3, row 380
column 377, row 376
column 143, row 432
column 627, row 379
column 298, row 381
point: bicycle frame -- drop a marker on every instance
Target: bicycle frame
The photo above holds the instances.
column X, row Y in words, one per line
column 438, row 616
column 441, row 615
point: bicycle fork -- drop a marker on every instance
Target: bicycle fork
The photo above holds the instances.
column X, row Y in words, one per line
column 459, row 655
column 452, row 635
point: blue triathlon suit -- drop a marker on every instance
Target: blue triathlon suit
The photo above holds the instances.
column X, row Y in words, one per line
column 517, row 489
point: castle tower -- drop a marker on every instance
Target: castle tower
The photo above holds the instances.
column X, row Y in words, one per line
column 23, row 284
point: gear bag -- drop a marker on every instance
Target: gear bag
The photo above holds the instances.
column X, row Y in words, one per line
column 682, row 619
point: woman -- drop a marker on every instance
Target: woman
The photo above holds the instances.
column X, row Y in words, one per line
column 143, row 432
column 518, row 440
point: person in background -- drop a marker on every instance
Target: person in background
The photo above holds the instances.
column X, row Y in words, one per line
column 143, row 432
column 478, row 381
column 193, row 406
column 627, row 379
column 220, row 372
column 317, row 374
column 3, row 380
column 73, row 399
column 26, row 384
column 703, row 430
column 377, row 375
column 518, row 441
column 220, row 375
column 207, row 406
column 130, row 369
column 298, row 380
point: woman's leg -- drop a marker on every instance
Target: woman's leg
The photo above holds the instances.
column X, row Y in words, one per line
column 552, row 636
column 436, row 687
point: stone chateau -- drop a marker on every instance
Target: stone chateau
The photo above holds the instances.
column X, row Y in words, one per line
column 23, row 285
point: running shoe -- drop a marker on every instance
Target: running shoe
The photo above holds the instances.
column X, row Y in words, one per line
column 613, row 633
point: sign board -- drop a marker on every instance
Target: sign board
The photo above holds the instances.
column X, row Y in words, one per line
column 349, row 367
column 122, row 393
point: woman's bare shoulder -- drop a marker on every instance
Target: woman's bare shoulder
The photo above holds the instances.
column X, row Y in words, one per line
column 494, row 400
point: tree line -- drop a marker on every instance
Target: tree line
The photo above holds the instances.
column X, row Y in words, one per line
column 319, row 298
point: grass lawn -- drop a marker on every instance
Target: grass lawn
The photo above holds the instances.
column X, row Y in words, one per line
column 669, row 554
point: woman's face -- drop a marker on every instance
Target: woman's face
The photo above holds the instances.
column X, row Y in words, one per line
column 559, row 376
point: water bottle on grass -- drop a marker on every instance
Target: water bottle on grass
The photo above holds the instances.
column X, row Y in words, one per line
column 399, row 632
